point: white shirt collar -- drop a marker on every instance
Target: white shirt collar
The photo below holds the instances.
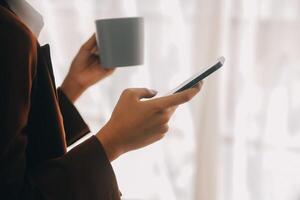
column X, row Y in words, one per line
column 31, row 17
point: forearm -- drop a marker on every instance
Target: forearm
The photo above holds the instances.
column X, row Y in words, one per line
column 86, row 164
column 111, row 145
column 72, row 89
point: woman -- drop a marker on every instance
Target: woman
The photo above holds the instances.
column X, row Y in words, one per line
column 39, row 121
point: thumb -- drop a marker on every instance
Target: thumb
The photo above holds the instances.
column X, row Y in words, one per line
column 140, row 93
column 90, row 44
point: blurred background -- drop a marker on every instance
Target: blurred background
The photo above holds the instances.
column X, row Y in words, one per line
column 239, row 138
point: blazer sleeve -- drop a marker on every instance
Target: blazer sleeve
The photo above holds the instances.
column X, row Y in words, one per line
column 83, row 173
column 74, row 125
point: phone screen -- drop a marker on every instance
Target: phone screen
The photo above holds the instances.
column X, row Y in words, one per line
column 199, row 76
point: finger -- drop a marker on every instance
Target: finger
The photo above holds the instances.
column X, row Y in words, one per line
column 90, row 43
column 163, row 117
column 140, row 93
column 99, row 68
column 161, row 130
column 176, row 99
column 108, row 72
column 168, row 112
column 94, row 58
column 95, row 50
column 96, row 64
column 157, row 135
column 172, row 109
column 198, row 85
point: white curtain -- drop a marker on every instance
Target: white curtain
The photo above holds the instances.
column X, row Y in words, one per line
column 238, row 139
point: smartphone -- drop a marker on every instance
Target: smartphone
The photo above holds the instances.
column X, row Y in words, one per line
column 198, row 77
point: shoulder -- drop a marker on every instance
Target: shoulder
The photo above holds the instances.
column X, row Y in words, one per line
column 14, row 32
column 17, row 41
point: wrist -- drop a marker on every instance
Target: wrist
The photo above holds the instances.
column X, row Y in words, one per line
column 110, row 144
column 72, row 88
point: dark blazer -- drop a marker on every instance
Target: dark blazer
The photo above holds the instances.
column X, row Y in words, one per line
column 37, row 122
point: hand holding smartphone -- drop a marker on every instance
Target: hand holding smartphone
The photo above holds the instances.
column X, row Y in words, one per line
column 198, row 77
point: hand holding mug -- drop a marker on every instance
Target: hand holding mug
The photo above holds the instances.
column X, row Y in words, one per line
column 85, row 70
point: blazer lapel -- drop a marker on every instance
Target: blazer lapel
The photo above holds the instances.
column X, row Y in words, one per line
column 46, row 56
